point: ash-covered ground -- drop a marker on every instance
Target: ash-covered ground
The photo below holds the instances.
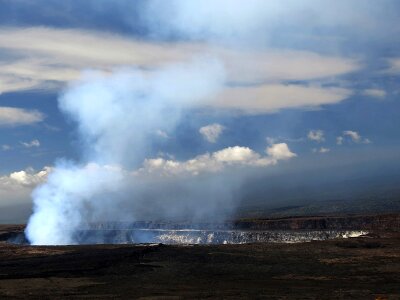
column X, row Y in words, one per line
column 366, row 267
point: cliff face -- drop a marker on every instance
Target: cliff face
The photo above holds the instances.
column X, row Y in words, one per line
column 8, row 232
column 389, row 222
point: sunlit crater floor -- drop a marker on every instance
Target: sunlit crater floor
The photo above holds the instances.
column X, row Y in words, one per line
column 196, row 236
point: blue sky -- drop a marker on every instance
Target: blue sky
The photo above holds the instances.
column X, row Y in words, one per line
column 322, row 77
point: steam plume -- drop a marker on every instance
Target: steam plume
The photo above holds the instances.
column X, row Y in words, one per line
column 116, row 115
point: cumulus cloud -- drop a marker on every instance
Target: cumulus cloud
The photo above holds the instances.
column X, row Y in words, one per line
column 166, row 164
column 280, row 151
column 29, row 177
column 31, row 144
column 24, row 178
column 11, row 116
column 211, row 132
column 352, row 136
column 217, row 161
column 15, row 190
column 316, row 135
column 375, row 93
column 321, row 150
column 16, row 186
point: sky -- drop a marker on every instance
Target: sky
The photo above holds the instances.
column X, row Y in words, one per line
column 307, row 96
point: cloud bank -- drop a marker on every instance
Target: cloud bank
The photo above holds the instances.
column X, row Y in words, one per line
column 15, row 190
column 236, row 156
column 50, row 58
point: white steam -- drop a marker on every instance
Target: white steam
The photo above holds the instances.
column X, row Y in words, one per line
column 116, row 116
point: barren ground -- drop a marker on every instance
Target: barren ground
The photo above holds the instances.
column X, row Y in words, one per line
column 356, row 268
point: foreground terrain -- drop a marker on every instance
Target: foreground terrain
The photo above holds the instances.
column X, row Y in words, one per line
column 356, row 268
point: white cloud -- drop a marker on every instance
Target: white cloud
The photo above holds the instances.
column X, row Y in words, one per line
column 367, row 141
column 274, row 140
column 235, row 154
column 394, row 66
column 352, row 136
column 217, row 161
column 211, row 132
column 162, row 134
column 324, row 150
column 24, row 178
column 6, row 147
column 16, row 187
column 375, row 93
column 28, row 177
column 277, row 64
column 33, row 143
column 280, row 152
column 166, row 164
column 77, row 49
column 269, row 98
column 316, row 135
column 321, row 150
column 271, row 140
column 48, row 58
column 11, row 116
